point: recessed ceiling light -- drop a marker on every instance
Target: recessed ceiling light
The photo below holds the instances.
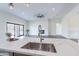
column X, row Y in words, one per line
column 11, row 5
column 27, row 4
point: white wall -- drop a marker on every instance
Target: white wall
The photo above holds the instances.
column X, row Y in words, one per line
column 6, row 17
column 65, row 27
column 33, row 26
column 70, row 23
column 58, row 28
column 48, row 25
column 52, row 27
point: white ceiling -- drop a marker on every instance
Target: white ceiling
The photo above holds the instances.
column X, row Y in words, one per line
column 29, row 13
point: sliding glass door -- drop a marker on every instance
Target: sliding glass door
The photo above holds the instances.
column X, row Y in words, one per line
column 10, row 29
column 21, row 30
column 16, row 30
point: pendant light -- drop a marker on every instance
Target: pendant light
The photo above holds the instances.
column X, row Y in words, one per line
column 11, row 5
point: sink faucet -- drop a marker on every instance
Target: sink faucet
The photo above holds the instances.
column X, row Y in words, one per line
column 39, row 33
column 41, row 39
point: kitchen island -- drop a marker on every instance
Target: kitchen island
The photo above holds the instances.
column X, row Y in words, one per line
column 64, row 47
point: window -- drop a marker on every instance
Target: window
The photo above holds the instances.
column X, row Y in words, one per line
column 10, row 29
column 21, row 30
column 16, row 30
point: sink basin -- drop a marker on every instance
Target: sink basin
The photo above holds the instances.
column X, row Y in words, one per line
column 40, row 46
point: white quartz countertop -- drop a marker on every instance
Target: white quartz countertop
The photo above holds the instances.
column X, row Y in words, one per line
column 64, row 47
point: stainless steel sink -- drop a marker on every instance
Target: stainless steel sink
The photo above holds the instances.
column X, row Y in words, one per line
column 40, row 46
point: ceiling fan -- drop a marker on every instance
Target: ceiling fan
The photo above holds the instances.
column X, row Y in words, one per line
column 40, row 15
